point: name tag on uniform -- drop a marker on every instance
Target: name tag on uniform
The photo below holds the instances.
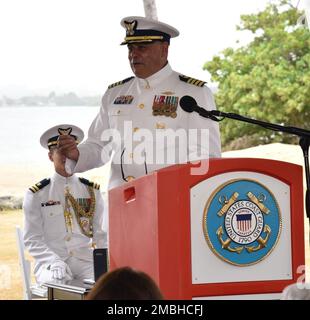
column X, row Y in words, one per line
column 123, row 100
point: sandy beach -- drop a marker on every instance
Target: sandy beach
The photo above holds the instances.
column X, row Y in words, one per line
column 275, row 151
column 15, row 179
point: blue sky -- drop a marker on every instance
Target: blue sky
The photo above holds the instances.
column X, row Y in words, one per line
column 73, row 45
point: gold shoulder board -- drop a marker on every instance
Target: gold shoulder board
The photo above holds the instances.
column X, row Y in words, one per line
column 119, row 83
column 40, row 185
column 195, row 82
column 90, row 183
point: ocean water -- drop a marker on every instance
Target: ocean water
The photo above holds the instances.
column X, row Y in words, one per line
column 21, row 128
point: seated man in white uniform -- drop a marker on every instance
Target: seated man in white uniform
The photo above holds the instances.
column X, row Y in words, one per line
column 64, row 217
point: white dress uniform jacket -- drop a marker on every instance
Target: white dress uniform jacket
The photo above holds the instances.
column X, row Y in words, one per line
column 45, row 234
column 132, row 100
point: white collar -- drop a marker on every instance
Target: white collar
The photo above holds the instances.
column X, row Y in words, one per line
column 157, row 77
column 61, row 179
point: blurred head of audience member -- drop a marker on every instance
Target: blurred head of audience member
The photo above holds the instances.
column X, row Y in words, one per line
column 125, row 284
column 296, row 291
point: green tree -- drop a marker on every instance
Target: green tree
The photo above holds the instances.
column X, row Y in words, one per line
column 268, row 79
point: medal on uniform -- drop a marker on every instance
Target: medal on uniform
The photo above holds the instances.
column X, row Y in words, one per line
column 50, row 203
column 84, row 209
column 84, row 203
column 164, row 105
column 123, row 100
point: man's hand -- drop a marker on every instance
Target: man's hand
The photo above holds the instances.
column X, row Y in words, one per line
column 61, row 270
column 67, row 146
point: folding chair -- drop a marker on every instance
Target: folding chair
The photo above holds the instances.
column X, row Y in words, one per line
column 30, row 291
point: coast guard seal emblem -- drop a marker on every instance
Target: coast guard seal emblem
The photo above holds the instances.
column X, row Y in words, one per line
column 242, row 222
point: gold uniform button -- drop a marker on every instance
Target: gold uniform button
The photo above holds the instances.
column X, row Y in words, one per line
column 135, row 129
column 160, row 125
column 141, row 105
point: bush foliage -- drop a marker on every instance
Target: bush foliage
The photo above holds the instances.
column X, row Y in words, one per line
column 268, row 79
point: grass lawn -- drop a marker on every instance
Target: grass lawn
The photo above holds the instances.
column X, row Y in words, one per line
column 10, row 275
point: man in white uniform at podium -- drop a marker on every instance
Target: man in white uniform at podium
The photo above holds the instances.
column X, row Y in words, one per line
column 141, row 125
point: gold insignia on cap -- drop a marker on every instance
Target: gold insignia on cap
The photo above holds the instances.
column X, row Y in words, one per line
column 130, row 27
column 64, row 132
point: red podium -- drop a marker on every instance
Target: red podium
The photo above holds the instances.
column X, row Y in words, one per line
column 236, row 230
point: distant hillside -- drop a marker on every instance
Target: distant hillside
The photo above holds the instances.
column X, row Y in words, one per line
column 67, row 99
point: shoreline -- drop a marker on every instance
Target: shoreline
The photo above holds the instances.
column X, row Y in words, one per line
column 17, row 178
